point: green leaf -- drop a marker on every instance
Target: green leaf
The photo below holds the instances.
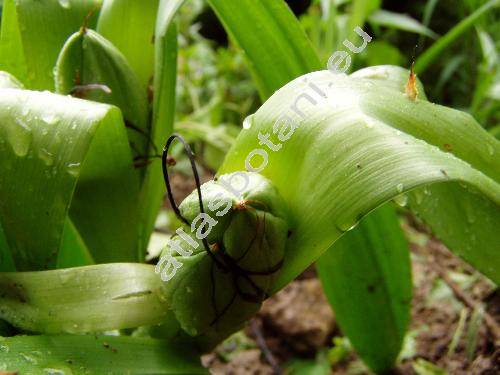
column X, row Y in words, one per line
column 372, row 304
column 83, row 299
column 33, row 33
column 130, row 25
column 96, row 354
column 434, row 51
column 275, row 45
column 59, row 151
column 401, row 22
column 165, row 78
column 73, row 251
column 360, row 144
column 87, row 58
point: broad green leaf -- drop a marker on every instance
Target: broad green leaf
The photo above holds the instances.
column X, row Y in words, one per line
column 87, row 58
column 96, row 354
column 372, row 305
column 59, row 151
column 130, row 26
column 275, row 45
column 401, row 22
column 83, row 299
column 434, row 51
column 360, row 144
column 33, row 33
column 165, row 77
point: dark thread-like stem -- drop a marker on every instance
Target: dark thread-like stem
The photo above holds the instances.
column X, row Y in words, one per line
column 171, row 199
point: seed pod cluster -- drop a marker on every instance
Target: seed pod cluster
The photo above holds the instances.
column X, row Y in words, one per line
column 213, row 293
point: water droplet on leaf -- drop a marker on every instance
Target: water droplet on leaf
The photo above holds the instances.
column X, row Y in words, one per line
column 20, row 140
column 65, row 4
column 247, row 123
column 46, row 156
column 73, row 168
column 401, row 200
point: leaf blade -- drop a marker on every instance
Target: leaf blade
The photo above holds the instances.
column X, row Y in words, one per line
column 372, row 304
column 83, row 299
column 98, row 354
column 95, row 153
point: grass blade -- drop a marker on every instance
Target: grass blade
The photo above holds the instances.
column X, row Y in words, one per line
column 401, row 22
column 434, row 51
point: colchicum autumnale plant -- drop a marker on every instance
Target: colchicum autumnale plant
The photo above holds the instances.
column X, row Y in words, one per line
column 86, row 103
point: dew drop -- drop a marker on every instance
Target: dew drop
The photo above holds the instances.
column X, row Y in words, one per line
column 247, row 123
column 65, row 277
column 65, row 4
column 73, row 168
column 54, row 371
column 401, row 200
column 491, row 150
column 419, row 197
column 46, row 156
column 348, row 226
column 21, row 139
column 28, row 358
column 50, row 118
column 399, row 188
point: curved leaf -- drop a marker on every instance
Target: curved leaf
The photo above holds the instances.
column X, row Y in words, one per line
column 372, row 304
column 83, row 299
column 96, row 355
column 75, row 152
column 360, row 142
column 87, row 58
column 33, row 33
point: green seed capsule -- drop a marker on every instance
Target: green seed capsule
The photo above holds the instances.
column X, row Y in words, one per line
column 213, row 294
